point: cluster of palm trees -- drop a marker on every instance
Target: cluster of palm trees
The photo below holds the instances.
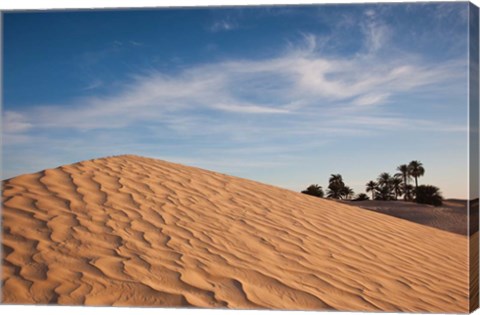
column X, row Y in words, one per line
column 336, row 189
column 389, row 187
column 386, row 187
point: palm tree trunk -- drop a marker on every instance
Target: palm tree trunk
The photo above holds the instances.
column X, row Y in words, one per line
column 416, row 187
column 406, row 189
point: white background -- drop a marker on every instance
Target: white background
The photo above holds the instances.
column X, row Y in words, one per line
column 71, row 4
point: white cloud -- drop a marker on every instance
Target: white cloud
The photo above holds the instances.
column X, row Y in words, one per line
column 376, row 32
column 292, row 87
column 371, row 99
column 250, row 109
column 369, row 12
column 223, row 25
column 14, row 122
column 93, row 85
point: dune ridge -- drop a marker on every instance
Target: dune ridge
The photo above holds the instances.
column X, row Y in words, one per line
column 129, row 230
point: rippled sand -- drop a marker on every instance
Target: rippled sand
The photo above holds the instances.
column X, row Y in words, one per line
column 128, row 230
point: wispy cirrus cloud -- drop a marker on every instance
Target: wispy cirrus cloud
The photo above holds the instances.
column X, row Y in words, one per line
column 377, row 32
column 284, row 95
column 93, row 85
column 297, row 83
column 14, row 122
column 223, row 25
column 300, row 83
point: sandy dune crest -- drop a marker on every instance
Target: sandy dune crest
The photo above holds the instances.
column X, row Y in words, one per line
column 129, row 230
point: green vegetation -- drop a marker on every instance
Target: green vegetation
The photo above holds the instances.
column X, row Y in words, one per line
column 314, row 190
column 404, row 174
column 416, row 170
column 372, row 187
column 361, row 197
column 386, row 187
column 391, row 188
column 337, row 188
column 429, row 194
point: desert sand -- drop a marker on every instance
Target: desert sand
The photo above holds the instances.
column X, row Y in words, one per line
column 452, row 216
column 128, row 230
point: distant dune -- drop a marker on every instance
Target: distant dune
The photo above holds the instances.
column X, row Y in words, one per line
column 452, row 216
column 128, row 230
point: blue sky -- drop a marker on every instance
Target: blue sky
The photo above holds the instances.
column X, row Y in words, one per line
column 282, row 95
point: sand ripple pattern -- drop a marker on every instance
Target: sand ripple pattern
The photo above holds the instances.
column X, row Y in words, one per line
column 128, row 230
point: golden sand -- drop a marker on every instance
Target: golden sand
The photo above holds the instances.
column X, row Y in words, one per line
column 128, row 230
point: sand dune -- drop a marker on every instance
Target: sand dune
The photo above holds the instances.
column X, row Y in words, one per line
column 128, row 230
column 452, row 216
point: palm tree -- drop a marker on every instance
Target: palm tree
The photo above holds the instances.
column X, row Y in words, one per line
column 347, row 192
column 404, row 174
column 416, row 170
column 397, row 186
column 335, row 178
column 385, row 186
column 372, row 186
column 384, row 179
column 336, row 186
column 314, row 190
column 409, row 191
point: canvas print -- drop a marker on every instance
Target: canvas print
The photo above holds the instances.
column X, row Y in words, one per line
column 290, row 157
